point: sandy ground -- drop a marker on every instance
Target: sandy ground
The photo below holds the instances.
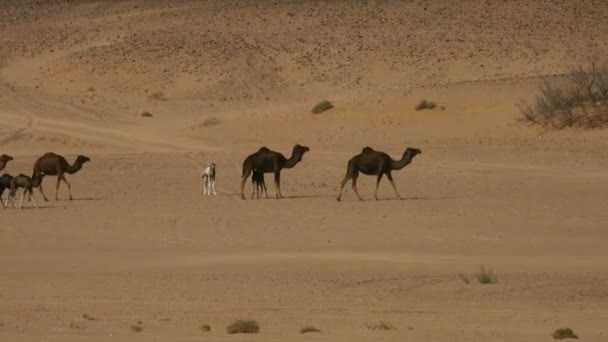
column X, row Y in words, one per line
column 140, row 242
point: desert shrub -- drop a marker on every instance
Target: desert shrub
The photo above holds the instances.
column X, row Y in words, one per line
column 89, row 317
column 243, row 327
column 309, row 329
column 485, row 276
column 139, row 327
column 564, row 333
column 212, row 121
column 146, row 114
column 578, row 99
column 381, row 325
column 158, row 96
column 322, row 106
column 424, row 104
column 205, row 327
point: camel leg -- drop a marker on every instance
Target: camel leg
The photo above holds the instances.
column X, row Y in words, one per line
column 390, row 178
column 253, row 189
column 377, row 185
column 213, row 186
column 277, row 183
column 265, row 190
column 246, row 174
column 344, row 181
column 68, row 184
column 13, row 201
column 355, row 176
column 31, row 194
column 21, row 201
column 43, row 195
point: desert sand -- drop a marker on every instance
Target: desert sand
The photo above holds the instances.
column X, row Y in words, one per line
column 140, row 242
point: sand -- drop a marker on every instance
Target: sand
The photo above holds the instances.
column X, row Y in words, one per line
column 140, row 242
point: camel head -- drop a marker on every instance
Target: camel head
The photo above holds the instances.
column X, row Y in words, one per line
column 82, row 159
column 6, row 158
column 300, row 149
column 411, row 152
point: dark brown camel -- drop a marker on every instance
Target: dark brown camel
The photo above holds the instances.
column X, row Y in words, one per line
column 4, row 159
column 372, row 162
column 53, row 164
column 267, row 161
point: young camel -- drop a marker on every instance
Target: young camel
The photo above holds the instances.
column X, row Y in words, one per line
column 4, row 159
column 5, row 183
column 28, row 184
column 372, row 162
column 258, row 184
column 208, row 177
column 267, row 161
column 53, row 164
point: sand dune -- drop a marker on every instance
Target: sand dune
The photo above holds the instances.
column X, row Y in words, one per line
column 221, row 79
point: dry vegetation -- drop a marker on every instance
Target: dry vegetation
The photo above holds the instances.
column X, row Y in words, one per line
column 322, row 106
column 205, row 328
column 243, row 327
column 309, row 329
column 578, row 99
column 564, row 333
column 379, row 326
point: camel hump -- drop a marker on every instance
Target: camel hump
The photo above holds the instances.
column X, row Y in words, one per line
column 367, row 149
column 21, row 175
column 263, row 149
column 6, row 175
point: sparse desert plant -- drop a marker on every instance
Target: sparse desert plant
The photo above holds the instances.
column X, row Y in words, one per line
column 243, row 327
column 486, row 276
column 91, row 89
column 577, row 99
column 465, row 278
column 381, row 325
column 158, row 96
column 309, row 329
column 146, row 114
column 74, row 325
column 563, row 333
column 322, row 106
column 425, row 104
column 139, row 327
column 89, row 317
column 205, row 327
column 212, row 121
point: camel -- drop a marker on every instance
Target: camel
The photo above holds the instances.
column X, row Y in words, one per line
column 258, row 184
column 372, row 162
column 5, row 183
column 267, row 161
column 208, row 177
column 28, row 184
column 53, row 164
column 4, row 159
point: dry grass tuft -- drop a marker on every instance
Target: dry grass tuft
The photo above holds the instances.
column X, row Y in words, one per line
column 564, row 333
column 146, row 114
column 158, row 96
column 243, row 327
column 205, row 328
column 424, row 104
column 88, row 317
column 322, row 106
column 309, row 329
column 212, row 121
column 381, row 325
column 486, row 276
column 139, row 327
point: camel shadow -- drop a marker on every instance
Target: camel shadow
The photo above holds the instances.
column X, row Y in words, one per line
column 308, row 196
column 416, row 198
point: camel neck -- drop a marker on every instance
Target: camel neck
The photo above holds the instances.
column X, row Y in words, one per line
column 291, row 162
column 400, row 164
column 74, row 168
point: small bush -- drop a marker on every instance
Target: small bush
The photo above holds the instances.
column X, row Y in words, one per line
column 309, row 329
column 205, row 327
column 424, row 104
column 91, row 89
column 139, row 327
column 146, row 114
column 564, row 333
column 485, row 276
column 211, row 122
column 158, row 96
column 88, row 317
column 382, row 325
column 579, row 99
column 243, row 327
column 74, row 325
column 322, row 106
